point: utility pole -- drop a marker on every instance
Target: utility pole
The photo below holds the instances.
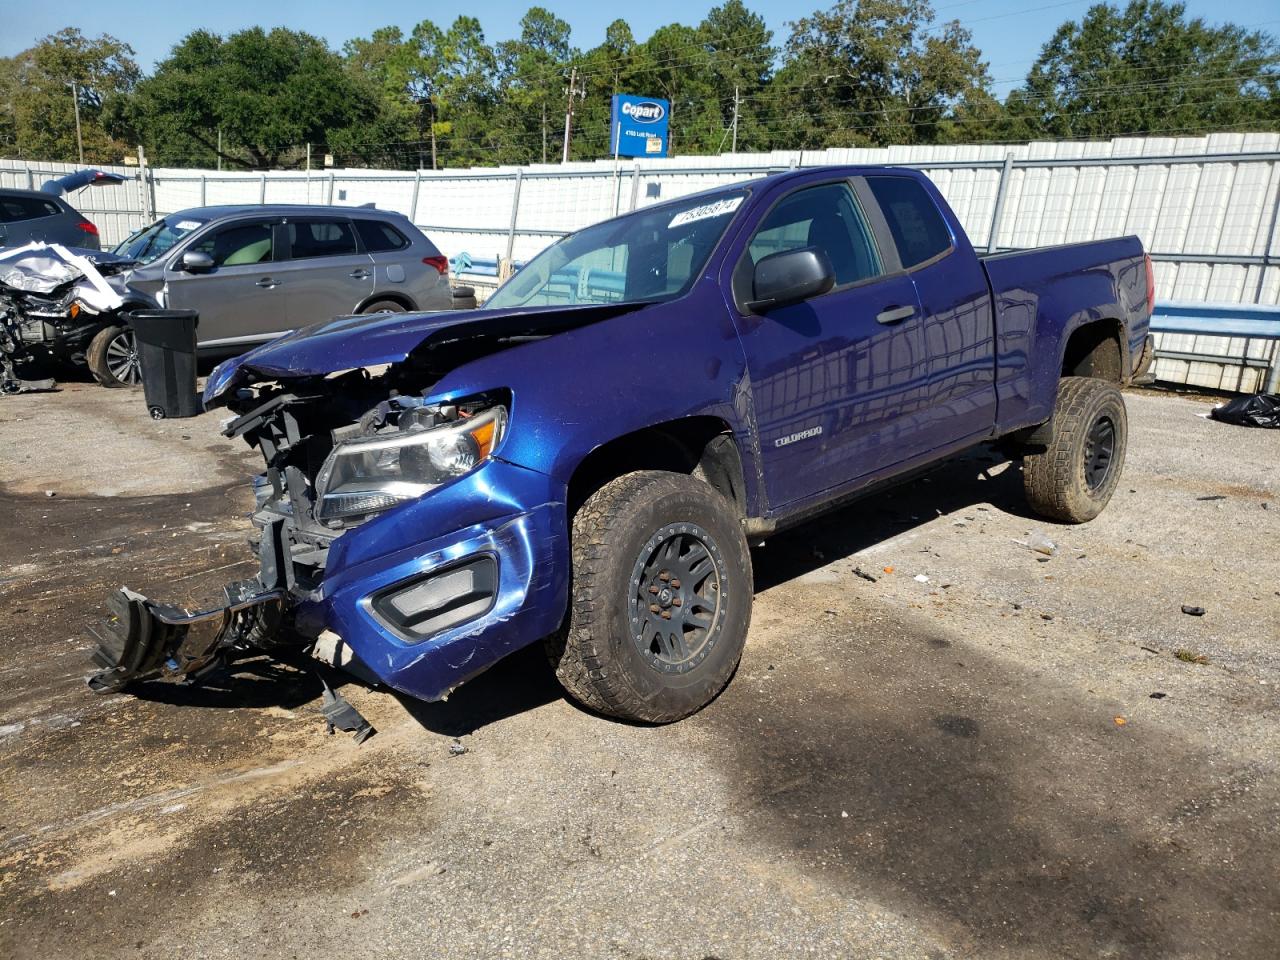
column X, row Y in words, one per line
column 75, row 102
column 308, row 156
column 734, row 148
column 431, row 118
column 568, row 116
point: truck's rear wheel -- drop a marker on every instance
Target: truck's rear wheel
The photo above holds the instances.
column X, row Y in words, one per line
column 1074, row 478
column 661, row 598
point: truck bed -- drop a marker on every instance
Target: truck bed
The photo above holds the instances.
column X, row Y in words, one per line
column 1040, row 297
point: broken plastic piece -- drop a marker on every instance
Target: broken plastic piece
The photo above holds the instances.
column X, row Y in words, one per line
column 1038, row 542
column 1192, row 611
column 342, row 715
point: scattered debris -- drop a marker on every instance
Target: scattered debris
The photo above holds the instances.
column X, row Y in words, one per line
column 1046, row 616
column 859, row 572
column 342, row 715
column 1119, row 721
column 1213, row 496
column 888, row 569
column 1262, row 410
column 1038, row 542
column 1150, row 649
column 457, row 748
column 50, row 493
column 1158, row 695
column 1192, row 611
column 1186, row 656
column 920, row 578
column 1017, row 606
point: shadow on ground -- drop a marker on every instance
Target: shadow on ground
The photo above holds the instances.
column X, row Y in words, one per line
column 999, row 805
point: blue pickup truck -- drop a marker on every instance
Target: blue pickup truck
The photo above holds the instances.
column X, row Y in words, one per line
column 583, row 461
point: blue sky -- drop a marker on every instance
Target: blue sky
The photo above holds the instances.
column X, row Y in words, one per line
column 1010, row 33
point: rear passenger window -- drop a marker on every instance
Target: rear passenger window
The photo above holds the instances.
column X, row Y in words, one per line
column 16, row 209
column 914, row 219
column 380, row 237
column 321, row 238
column 826, row 217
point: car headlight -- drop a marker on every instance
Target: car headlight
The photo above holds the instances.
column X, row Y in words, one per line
column 376, row 473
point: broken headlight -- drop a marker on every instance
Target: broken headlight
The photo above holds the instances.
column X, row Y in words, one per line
column 376, row 473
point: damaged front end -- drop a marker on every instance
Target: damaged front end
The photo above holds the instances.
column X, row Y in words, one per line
column 392, row 538
column 144, row 639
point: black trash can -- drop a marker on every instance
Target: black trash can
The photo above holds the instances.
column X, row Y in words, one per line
column 167, row 350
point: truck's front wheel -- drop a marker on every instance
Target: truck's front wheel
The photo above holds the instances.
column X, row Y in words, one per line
column 1074, row 478
column 661, row 598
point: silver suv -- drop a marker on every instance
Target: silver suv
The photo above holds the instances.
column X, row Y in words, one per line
column 27, row 215
column 256, row 272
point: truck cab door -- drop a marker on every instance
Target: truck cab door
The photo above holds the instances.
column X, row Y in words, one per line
column 240, row 300
column 956, row 322
column 833, row 377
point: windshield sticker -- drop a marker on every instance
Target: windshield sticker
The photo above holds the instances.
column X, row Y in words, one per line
column 705, row 212
column 185, row 225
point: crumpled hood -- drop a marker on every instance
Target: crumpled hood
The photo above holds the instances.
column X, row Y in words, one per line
column 372, row 340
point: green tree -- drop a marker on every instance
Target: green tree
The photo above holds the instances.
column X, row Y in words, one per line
column 532, row 85
column 675, row 64
column 602, row 71
column 740, row 57
column 875, row 72
column 37, row 108
column 1147, row 69
column 269, row 93
column 466, row 92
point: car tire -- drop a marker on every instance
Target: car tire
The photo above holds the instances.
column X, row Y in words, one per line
column 113, row 357
column 383, row 306
column 1074, row 478
column 660, row 601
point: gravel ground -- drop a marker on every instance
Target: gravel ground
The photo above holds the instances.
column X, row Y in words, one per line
column 1007, row 759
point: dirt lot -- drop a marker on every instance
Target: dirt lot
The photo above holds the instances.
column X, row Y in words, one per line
column 1008, row 760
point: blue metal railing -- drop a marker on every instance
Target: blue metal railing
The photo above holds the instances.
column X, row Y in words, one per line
column 1249, row 321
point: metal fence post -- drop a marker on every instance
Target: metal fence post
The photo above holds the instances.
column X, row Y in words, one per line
column 262, row 189
column 31, row 178
column 204, row 190
column 413, row 204
column 515, row 212
column 329, row 199
column 635, row 185
column 1006, row 174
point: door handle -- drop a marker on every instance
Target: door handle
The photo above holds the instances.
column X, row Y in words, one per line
column 895, row 314
column 360, row 274
column 267, row 283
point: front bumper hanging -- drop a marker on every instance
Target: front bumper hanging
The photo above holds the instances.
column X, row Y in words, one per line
column 143, row 638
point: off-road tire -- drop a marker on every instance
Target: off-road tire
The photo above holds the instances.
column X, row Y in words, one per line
column 97, row 359
column 1057, row 481
column 383, row 306
column 596, row 656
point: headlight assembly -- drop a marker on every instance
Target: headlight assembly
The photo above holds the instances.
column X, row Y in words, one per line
column 376, row 473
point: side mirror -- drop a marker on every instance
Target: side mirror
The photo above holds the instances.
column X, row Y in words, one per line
column 194, row 261
column 789, row 277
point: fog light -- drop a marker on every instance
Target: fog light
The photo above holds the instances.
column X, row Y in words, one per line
column 416, row 609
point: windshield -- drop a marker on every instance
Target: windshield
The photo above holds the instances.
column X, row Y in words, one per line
column 155, row 241
column 651, row 255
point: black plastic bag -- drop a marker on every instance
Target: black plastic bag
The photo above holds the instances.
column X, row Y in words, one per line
column 1260, row 411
